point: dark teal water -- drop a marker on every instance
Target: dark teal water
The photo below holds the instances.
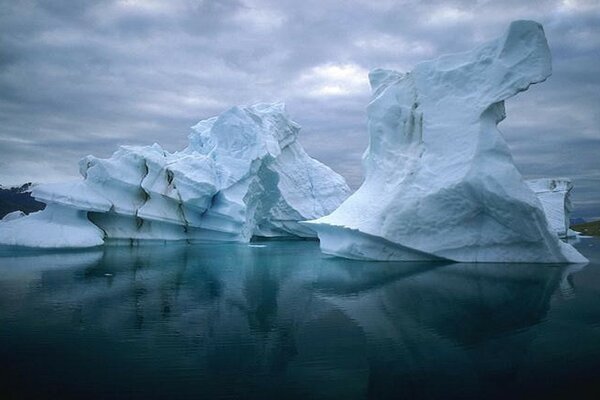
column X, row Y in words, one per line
column 284, row 321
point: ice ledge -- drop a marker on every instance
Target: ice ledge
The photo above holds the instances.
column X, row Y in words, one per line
column 242, row 174
column 440, row 181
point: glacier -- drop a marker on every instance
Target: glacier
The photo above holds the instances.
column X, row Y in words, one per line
column 440, row 181
column 243, row 174
column 555, row 196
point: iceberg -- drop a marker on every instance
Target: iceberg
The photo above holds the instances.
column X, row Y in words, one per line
column 440, row 182
column 243, row 174
column 555, row 196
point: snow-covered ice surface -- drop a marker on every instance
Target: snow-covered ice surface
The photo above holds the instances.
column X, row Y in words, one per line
column 243, row 174
column 440, row 182
column 555, row 196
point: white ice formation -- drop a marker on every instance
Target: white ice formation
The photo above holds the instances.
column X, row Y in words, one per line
column 440, row 182
column 243, row 174
column 555, row 196
column 11, row 216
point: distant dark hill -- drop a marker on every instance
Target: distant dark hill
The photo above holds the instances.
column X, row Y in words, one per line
column 588, row 228
column 18, row 198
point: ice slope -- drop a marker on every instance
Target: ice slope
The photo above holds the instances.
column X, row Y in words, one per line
column 243, row 174
column 555, row 196
column 13, row 215
column 440, row 181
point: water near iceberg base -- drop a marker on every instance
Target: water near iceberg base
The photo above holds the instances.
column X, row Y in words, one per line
column 283, row 321
column 440, row 182
column 242, row 175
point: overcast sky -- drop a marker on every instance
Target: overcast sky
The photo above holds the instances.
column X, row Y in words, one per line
column 82, row 77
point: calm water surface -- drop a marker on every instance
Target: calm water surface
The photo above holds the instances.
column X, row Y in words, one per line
column 280, row 320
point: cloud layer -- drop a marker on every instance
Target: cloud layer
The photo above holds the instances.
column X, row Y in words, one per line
column 83, row 77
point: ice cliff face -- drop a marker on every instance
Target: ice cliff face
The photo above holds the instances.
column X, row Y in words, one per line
column 242, row 175
column 555, row 196
column 440, row 182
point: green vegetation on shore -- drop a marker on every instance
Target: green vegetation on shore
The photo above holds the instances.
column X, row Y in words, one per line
column 588, row 228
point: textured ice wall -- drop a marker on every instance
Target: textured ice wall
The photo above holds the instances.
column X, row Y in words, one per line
column 440, row 182
column 555, row 196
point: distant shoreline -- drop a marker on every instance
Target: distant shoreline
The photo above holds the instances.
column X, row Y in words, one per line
column 588, row 228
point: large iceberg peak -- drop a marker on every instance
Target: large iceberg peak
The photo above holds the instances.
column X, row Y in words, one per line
column 245, row 131
column 440, row 182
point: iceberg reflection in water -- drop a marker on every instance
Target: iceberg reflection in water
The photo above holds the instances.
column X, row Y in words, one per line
column 284, row 321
